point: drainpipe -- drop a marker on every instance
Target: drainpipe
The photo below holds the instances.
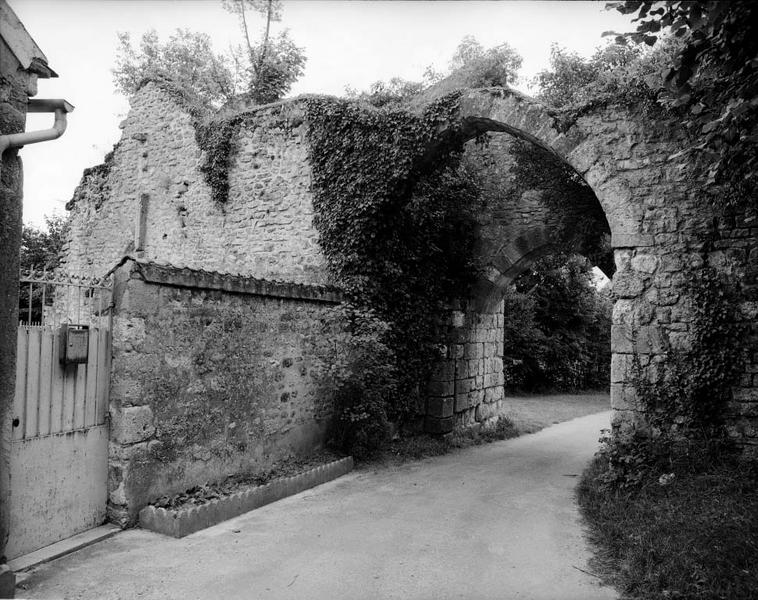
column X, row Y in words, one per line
column 59, row 107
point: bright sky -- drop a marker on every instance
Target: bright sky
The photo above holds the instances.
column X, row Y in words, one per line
column 347, row 43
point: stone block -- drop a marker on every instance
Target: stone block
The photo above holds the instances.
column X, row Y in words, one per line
column 651, row 340
column 631, row 240
column 463, row 386
column 132, row 424
column 493, row 394
column 444, row 370
column 621, row 339
column 474, row 350
column 435, row 425
column 483, row 412
column 441, row 388
column 645, row 263
column 628, row 284
column 440, row 407
column 621, row 367
column 475, row 398
column 461, row 401
column 624, row 397
column 456, row 351
column 463, row 370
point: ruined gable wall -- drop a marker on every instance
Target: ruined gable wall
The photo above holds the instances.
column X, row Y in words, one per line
column 264, row 229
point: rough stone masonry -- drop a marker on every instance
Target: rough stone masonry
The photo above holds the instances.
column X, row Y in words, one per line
column 149, row 200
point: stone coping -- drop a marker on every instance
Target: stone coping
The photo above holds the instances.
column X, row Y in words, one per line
column 183, row 521
column 180, row 276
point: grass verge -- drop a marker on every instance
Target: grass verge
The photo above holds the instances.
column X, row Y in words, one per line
column 422, row 446
column 530, row 413
column 524, row 414
column 688, row 534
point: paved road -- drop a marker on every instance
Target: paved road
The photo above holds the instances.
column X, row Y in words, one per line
column 496, row 521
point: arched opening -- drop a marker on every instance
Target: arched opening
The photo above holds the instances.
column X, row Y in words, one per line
column 516, row 228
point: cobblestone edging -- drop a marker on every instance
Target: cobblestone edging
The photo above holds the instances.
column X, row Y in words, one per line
column 181, row 522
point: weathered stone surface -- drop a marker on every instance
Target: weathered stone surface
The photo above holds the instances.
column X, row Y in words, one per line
column 656, row 213
column 440, row 407
column 132, row 424
column 627, row 284
column 645, row 263
column 226, row 382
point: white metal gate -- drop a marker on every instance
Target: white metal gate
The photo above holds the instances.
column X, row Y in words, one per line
column 59, row 457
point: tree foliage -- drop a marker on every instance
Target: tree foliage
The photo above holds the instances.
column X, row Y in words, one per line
column 713, row 81
column 618, row 73
column 40, row 248
column 382, row 93
column 274, row 63
column 472, row 65
column 485, row 67
column 187, row 59
column 557, row 328
column 264, row 70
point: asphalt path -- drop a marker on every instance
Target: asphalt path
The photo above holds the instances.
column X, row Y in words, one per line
column 497, row 521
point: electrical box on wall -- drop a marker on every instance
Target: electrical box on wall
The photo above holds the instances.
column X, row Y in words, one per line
column 74, row 344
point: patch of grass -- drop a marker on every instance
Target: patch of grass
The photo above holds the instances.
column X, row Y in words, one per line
column 422, row 446
column 524, row 414
column 691, row 533
column 534, row 412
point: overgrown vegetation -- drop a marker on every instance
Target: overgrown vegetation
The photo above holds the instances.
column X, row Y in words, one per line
column 712, row 81
column 685, row 398
column 673, row 509
column 614, row 74
column 471, row 66
column 262, row 71
column 270, row 67
column 40, row 248
column 688, row 529
column 397, row 230
column 557, row 328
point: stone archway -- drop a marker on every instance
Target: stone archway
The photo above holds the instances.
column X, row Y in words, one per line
column 655, row 209
column 623, row 156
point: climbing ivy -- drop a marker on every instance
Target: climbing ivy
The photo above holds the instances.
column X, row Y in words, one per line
column 691, row 394
column 215, row 139
column 395, row 216
column 685, row 398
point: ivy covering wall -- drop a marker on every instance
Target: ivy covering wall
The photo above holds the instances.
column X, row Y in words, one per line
column 397, row 228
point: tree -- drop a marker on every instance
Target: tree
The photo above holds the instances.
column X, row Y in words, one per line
column 615, row 72
column 471, row 65
column 40, row 248
column 40, row 251
column 273, row 64
column 713, row 82
column 382, row 93
column 187, row 59
column 557, row 328
column 496, row 66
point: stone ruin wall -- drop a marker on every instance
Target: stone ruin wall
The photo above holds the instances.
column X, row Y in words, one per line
column 265, row 229
column 150, row 200
column 663, row 229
